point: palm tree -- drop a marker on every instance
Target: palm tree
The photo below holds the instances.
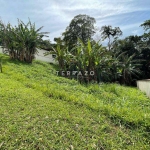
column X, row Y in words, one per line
column 129, row 66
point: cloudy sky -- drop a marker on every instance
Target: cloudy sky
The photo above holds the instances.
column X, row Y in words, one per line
column 55, row 15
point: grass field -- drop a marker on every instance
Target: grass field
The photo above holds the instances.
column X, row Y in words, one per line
column 41, row 111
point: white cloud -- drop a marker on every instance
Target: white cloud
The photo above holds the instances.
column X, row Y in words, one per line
column 55, row 15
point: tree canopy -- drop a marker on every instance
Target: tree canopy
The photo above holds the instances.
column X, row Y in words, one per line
column 108, row 32
column 82, row 27
column 146, row 25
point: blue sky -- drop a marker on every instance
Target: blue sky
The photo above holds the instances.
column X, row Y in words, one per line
column 55, row 15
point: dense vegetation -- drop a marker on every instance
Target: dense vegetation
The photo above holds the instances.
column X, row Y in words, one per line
column 39, row 110
column 122, row 60
column 21, row 42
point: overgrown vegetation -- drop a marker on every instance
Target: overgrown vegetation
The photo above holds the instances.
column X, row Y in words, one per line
column 39, row 110
column 21, row 42
column 122, row 60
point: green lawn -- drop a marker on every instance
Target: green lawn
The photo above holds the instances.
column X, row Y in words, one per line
column 39, row 110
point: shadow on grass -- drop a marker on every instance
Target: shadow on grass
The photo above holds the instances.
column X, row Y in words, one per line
column 6, row 59
column 54, row 66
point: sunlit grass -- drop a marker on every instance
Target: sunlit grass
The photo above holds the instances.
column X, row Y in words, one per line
column 39, row 110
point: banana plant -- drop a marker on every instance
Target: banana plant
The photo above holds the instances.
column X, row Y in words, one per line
column 22, row 41
column 90, row 57
column 63, row 56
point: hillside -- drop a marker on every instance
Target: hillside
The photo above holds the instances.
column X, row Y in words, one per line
column 39, row 110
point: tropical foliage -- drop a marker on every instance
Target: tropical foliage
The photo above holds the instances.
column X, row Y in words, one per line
column 21, row 42
column 121, row 60
column 93, row 62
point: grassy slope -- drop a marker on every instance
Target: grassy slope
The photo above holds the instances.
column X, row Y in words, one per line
column 39, row 110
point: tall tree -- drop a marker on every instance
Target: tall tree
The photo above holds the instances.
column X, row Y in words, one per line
column 82, row 27
column 145, row 48
column 146, row 35
column 146, row 25
column 128, row 45
column 108, row 32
